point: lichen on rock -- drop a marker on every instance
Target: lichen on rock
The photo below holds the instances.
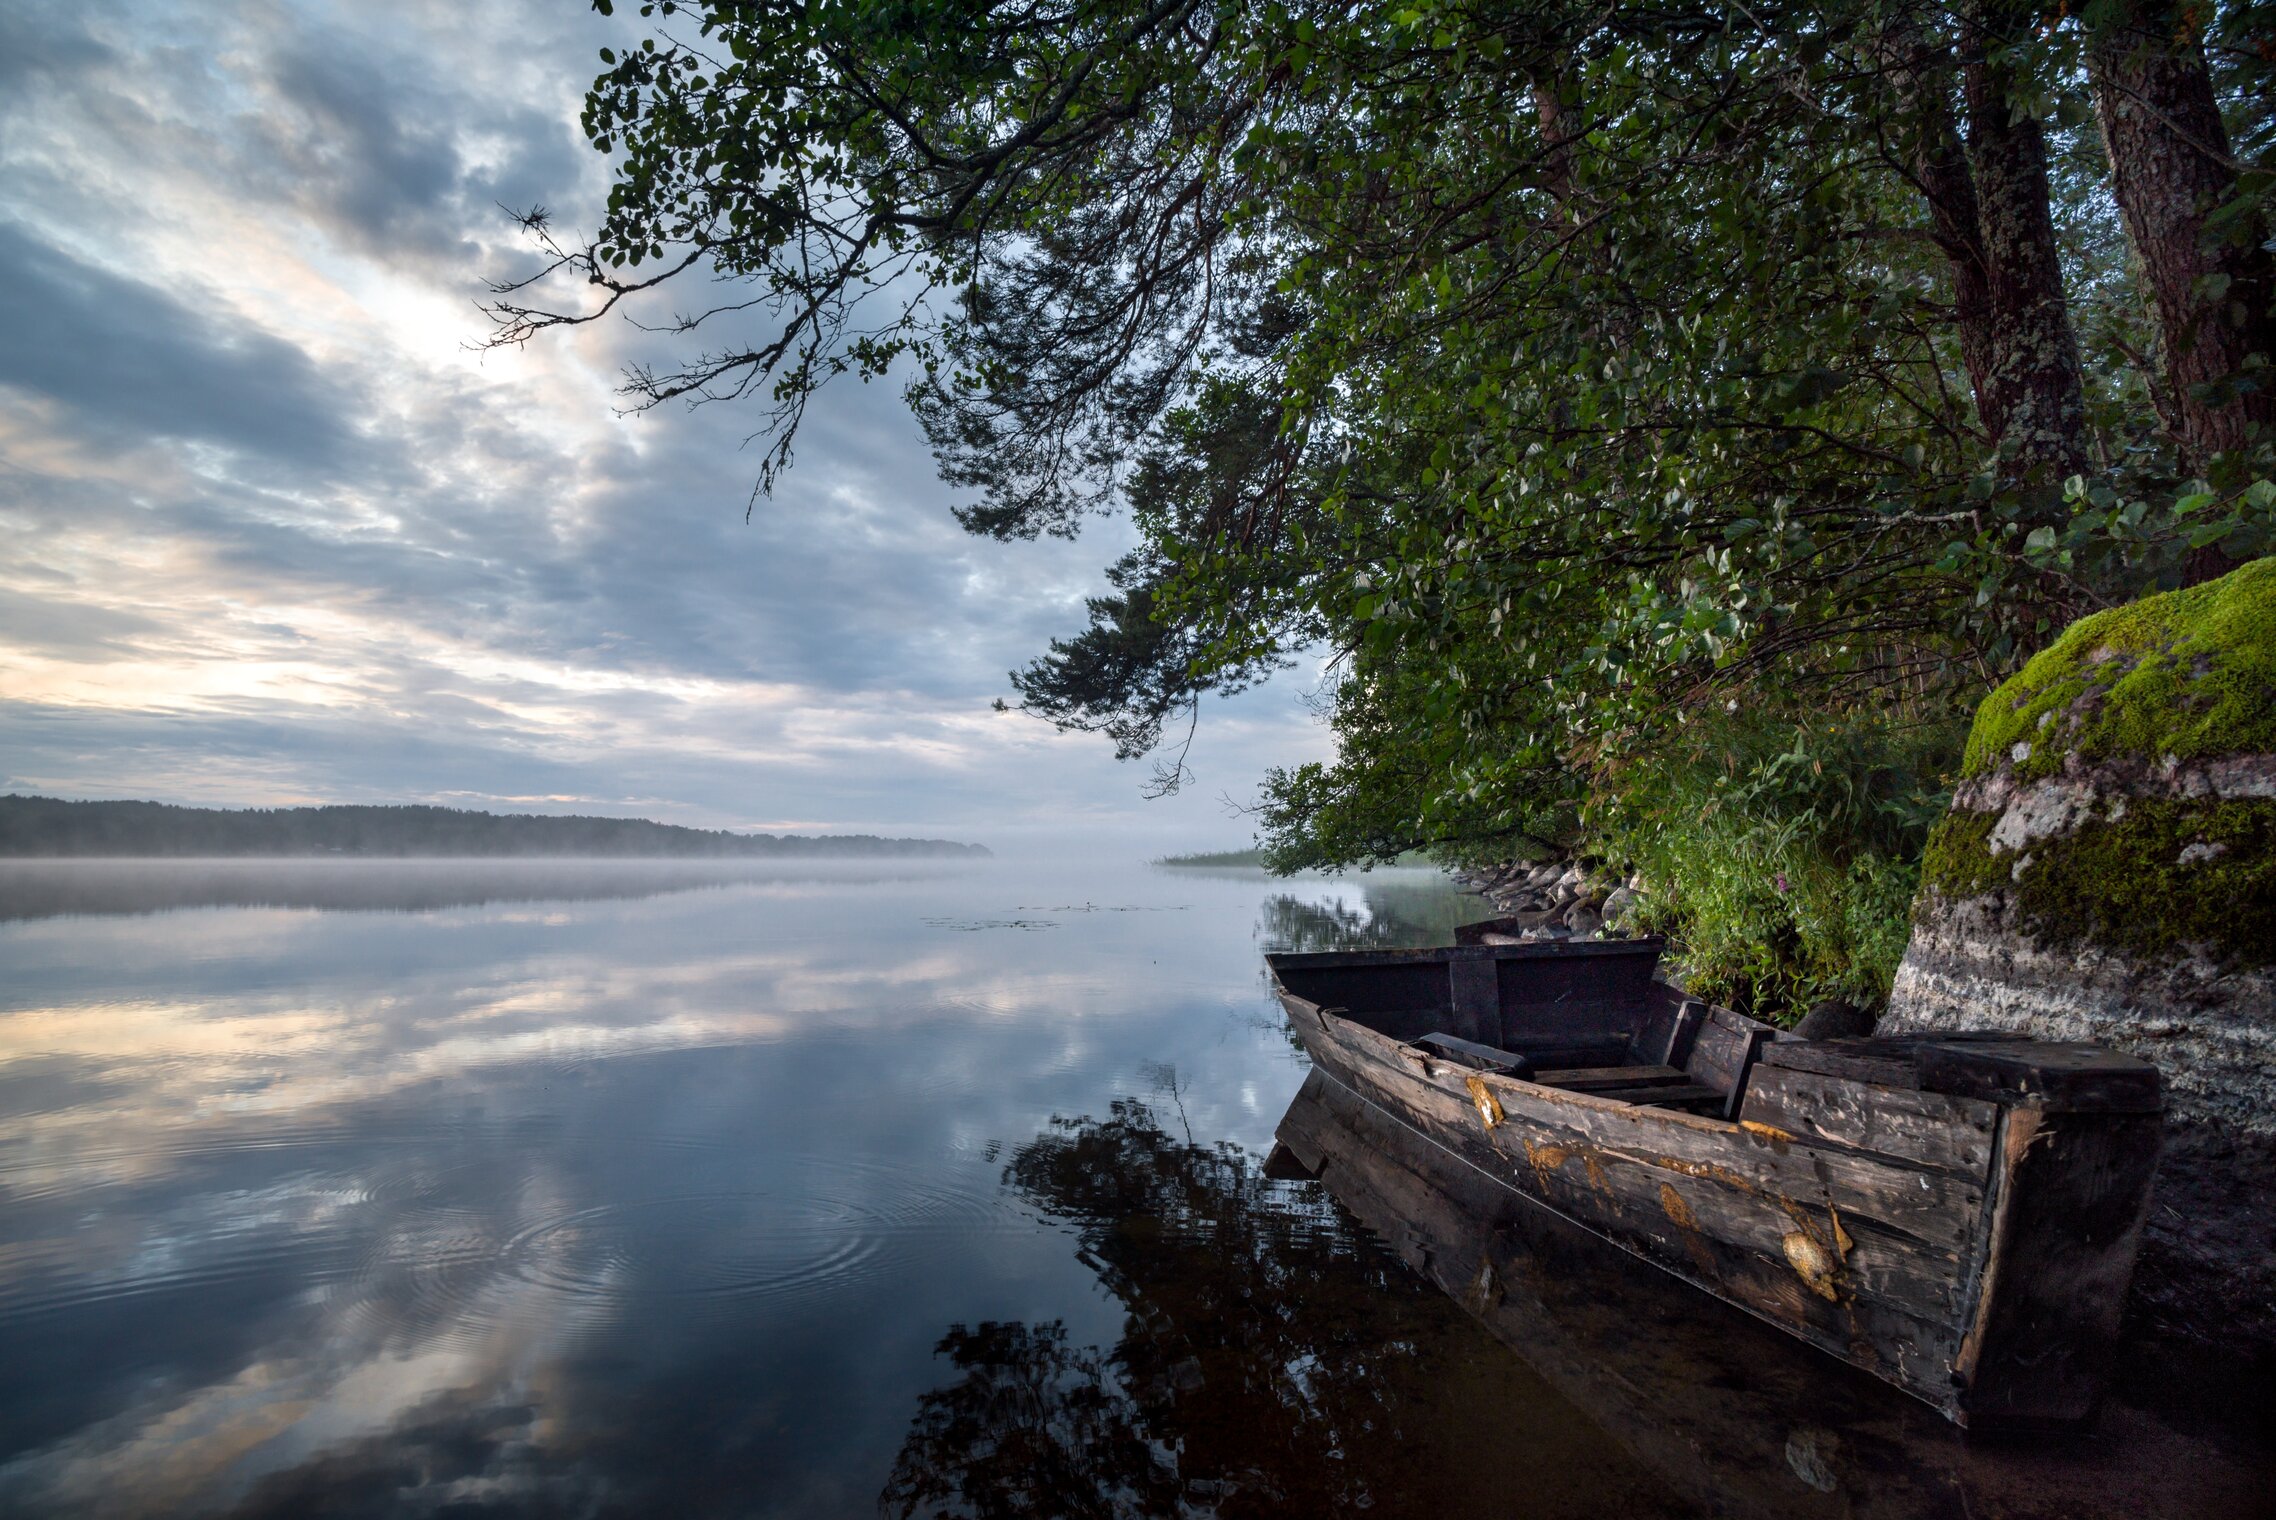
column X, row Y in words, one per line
column 2159, row 878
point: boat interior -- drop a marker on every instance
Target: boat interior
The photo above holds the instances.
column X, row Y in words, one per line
column 1586, row 1016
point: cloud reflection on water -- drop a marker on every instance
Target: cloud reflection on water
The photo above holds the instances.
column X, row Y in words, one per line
column 539, row 1199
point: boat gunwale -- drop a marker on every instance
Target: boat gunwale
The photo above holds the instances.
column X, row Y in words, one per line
column 1397, row 1059
column 1408, row 955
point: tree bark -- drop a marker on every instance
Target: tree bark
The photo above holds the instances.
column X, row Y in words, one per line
column 2170, row 167
column 2035, row 380
column 1557, row 140
column 1921, row 74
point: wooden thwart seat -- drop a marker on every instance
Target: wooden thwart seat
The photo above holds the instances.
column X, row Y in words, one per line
column 1591, row 1078
column 1476, row 1056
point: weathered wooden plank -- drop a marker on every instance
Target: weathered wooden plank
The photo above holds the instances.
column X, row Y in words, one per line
column 1995, row 1068
column 2061, row 1078
column 1891, row 1320
column 1670, row 1026
column 1939, row 1211
column 1721, row 1053
column 1474, row 991
column 1545, row 1135
column 1613, row 952
column 1933, row 1130
column 1690, row 1095
column 1838, row 1058
column 1284, row 1163
column 1381, row 984
column 2073, row 1192
column 1716, row 1056
column 1677, row 1213
column 1550, row 1056
column 1612, row 973
column 1611, row 1022
column 1407, row 1023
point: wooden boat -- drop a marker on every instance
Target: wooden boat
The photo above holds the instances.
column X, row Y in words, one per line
column 1957, row 1215
column 1738, row 1420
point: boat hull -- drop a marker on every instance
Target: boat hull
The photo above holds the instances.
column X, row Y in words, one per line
column 1972, row 1252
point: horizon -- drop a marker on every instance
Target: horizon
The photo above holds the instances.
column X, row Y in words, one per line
column 278, row 537
column 1025, row 852
column 267, row 807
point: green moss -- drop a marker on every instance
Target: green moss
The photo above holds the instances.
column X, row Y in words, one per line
column 1959, row 862
column 2121, row 884
column 2190, row 673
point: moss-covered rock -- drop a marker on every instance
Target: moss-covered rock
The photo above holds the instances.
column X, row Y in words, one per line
column 2108, row 872
column 2121, row 791
column 2159, row 878
column 2188, row 675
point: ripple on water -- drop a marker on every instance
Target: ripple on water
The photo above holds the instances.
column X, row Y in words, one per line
column 828, row 1227
column 426, row 1245
column 43, row 1279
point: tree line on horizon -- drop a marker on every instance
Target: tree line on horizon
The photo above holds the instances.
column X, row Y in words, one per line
column 50, row 826
column 1669, row 420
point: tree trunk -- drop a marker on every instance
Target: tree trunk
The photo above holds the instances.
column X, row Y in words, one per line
column 1557, row 139
column 2170, row 167
column 1921, row 73
column 2039, row 396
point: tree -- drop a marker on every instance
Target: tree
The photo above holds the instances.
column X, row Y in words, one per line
column 1569, row 374
column 2201, row 241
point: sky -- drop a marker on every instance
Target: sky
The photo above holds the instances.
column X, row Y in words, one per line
column 275, row 529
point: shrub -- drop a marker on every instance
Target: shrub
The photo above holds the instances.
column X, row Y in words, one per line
column 1781, row 854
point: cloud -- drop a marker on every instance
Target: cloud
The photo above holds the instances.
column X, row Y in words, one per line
column 272, row 528
column 131, row 362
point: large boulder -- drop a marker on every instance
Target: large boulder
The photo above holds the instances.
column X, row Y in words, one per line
column 2108, row 872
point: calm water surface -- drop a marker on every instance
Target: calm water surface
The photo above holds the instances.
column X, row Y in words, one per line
column 521, row 1189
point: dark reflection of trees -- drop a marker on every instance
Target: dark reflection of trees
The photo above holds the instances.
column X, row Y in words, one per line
column 1273, row 1360
column 1036, row 1427
column 1395, row 913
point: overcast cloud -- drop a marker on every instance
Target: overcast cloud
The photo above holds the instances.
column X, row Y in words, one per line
column 271, row 531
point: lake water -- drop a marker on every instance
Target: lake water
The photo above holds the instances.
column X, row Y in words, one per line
column 689, row 1190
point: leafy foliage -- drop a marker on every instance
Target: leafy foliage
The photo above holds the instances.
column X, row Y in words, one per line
column 1567, row 376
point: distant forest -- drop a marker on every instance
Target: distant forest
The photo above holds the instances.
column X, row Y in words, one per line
column 52, row 826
